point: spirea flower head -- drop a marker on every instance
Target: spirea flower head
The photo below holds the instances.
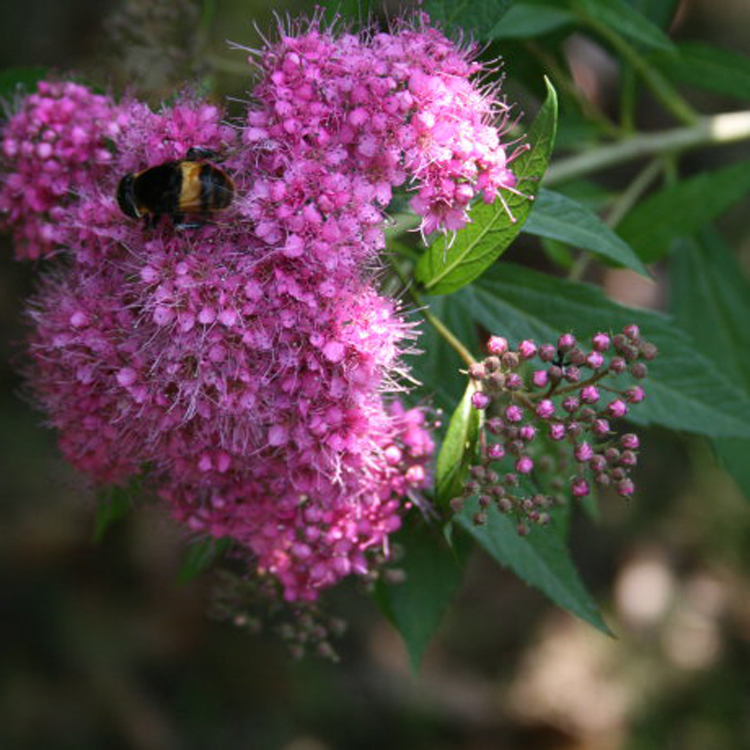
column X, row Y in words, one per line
column 571, row 412
column 245, row 361
column 56, row 145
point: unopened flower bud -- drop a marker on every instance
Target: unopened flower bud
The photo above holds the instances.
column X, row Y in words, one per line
column 491, row 364
column 571, row 404
column 594, row 360
column 617, row 365
column 540, row 378
column 513, row 381
column 600, row 342
column 557, row 431
column 630, row 441
column 617, row 408
column 495, row 425
column 511, row 479
column 587, row 414
column 612, row 455
column 480, row 400
column 522, row 529
column 524, row 465
column 620, row 342
column 597, row 463
column 628, row 458
column 639, row 370
column 497, row 345
column 510, row 360
column 625, row 487
column 602, row 479
column 632, row 332
column 480, row 519
column 495, row 451
column 572, row 374
column 566, row 342
column 574, row 428
column 589, row 394
column 583, row 452
column 579, row 487
column 600, row 427
column 476, row 371
column 545, row 408
column 554, row 373
column 547, row 352
column 576, row 357
column 495, row 381
column 527, row 433
column 527, row 349
column 648, row 350
column 513, row 413
column 635, row 395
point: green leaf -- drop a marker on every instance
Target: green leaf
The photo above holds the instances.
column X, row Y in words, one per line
column 480, row 17
column 684, row 389
column 11, row 79
column 525, row 20
column 620, row 16
column 200, row 555
column 560, row 218
column 704, row 66
column 683, row 209
column 446, row 266
column 711, row 300
column 541, row 559
column 113, row 505
column 459, row 448
column 433, row 574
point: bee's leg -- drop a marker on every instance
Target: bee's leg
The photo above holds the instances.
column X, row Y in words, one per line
column 198, row 153
column 151, row 220
column 183, row 222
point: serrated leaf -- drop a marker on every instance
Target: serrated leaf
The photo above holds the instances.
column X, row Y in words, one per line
column 711, row 301
column 433, row 574
column 704, row 66
column 558, row 217
column 526, row 20
column 685, row 390
column 200, row 556
column 12, row 79
column 683, row 209
column 458, row 450
column 541, row 559
column 446, row 266
column 479, row 17
column 626, row 20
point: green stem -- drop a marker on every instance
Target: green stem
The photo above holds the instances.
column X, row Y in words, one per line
column 452, row 340
column 707, row 131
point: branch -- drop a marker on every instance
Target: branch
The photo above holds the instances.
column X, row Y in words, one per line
column 707, row 131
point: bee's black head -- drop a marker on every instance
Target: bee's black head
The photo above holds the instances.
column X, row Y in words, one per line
column 126, row 197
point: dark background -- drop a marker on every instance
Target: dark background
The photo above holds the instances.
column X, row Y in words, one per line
column 103, row 648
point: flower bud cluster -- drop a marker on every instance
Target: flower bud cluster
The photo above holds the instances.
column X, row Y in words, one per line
column 544, row 402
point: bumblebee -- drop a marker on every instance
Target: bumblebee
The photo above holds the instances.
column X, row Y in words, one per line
column 190, row 187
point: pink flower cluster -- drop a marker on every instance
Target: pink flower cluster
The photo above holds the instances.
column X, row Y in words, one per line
column 52, row 148
column 244, row 362
column 544, row 417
